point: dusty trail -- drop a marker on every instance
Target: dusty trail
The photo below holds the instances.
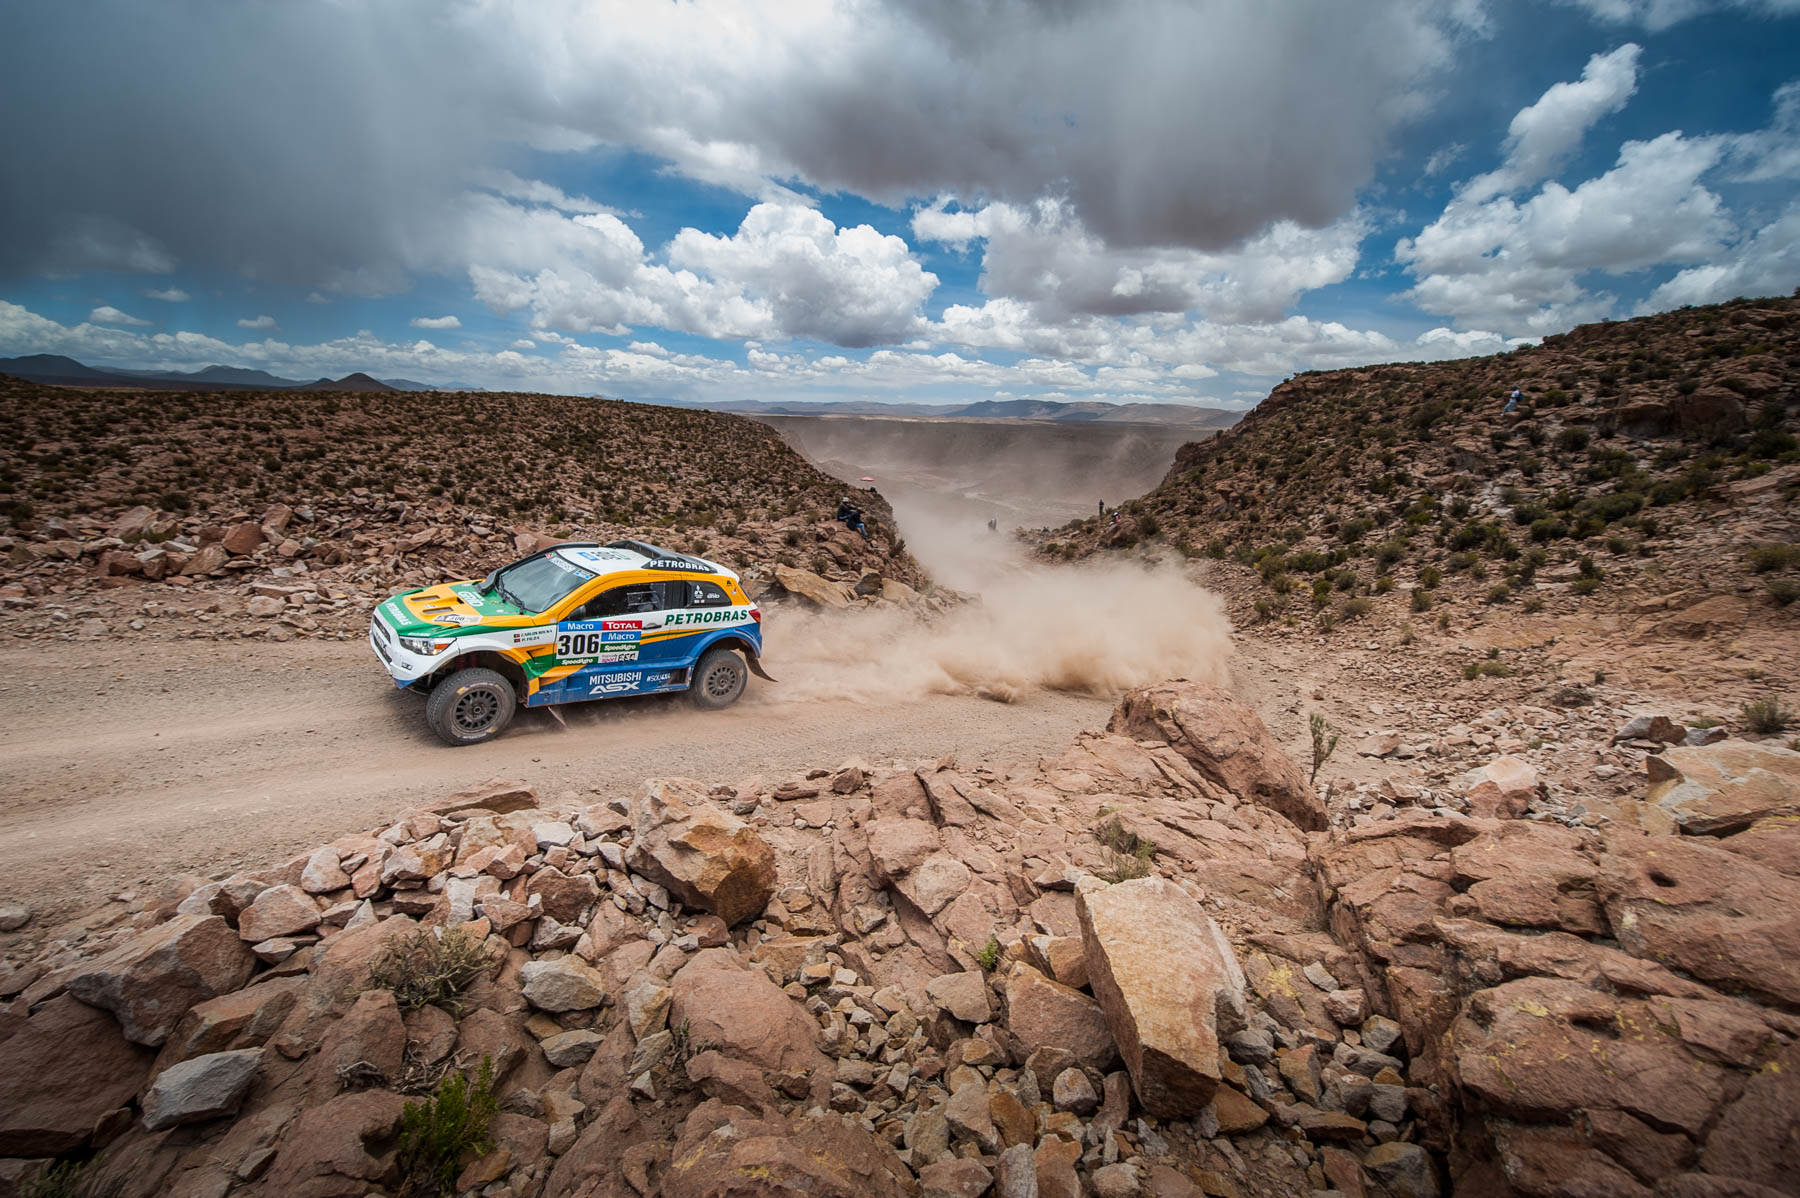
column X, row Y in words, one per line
column 125, row 763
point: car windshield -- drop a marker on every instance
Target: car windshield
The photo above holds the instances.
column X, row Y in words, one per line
column 535, row 585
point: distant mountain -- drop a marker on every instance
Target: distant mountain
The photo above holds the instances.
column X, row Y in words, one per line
column 350, row 382
column 993, row 409
column 60, row 371
column 54, row 368
column 233, row 375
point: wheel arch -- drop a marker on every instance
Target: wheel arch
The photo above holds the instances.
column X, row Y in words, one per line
column 740, row 642
column 487, row 659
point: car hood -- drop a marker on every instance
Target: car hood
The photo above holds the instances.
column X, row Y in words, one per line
column 448, row 609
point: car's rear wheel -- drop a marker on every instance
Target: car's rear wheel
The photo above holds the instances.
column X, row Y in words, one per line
column 470, row 706
column 718, row 679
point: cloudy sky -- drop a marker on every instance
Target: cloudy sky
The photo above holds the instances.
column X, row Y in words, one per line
column 1148, row 200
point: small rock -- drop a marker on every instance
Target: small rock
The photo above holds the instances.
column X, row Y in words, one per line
column 1116, row 1181
column 1073, row 1092
column 569, row 1049
column 964, row 995
column 1405, row 1169
column 1651, row 727
column 647, row 1008
column 1348, row 1007
column 1017, row 1173
column 14, row 916
column 323, row 873
column 564, row 984
column 954, row 1178
column 1380, row 1033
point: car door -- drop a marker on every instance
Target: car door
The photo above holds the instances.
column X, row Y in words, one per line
column 599, row 645
column 662, row 650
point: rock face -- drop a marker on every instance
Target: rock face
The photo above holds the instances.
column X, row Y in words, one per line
column 95, row 1070
column 707, row 857
column 1429, row 1002
column 1721, row 788
column 1601, row 1069
column 150, row 981
column 1163, row 973
column 1226, row 741
column 821, row 1157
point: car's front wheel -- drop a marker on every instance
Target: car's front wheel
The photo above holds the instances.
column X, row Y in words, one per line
column 718, row 679
column 470, row 706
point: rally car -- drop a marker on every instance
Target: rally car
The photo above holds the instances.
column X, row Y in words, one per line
column 577, row 621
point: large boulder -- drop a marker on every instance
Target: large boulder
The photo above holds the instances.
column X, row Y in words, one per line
column 1227, row 743
column 242, row 1019
column 203, row 1088
column 242, row 539
column 1721, row 788
column 804, row 584
column 733, row 1007
column 279, row 911
column 1502, row 789
column 1164, row 974
column 61, row 1072
column 151, row 980
column 707, row 857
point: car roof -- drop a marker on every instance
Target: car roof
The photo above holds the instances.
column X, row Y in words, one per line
column 617, row 557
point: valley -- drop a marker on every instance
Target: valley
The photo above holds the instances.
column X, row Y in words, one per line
column 1397, row 798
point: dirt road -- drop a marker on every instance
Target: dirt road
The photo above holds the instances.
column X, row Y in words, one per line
column 127, row 762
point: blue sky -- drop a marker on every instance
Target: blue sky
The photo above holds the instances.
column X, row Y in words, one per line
column 1136, row 200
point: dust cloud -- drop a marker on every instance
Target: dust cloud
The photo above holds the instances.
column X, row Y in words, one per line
column 1091, row 629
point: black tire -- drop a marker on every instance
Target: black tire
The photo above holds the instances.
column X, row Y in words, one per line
column 719, row 679
column 470, row 706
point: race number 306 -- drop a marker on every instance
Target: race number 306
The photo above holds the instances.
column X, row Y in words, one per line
column 584, row 644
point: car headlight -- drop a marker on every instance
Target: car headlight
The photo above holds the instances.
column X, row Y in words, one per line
column 424, row 645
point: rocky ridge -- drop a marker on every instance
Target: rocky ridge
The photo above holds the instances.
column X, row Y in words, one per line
column 1159, row 964
column 1644, row 490
column 283, row 515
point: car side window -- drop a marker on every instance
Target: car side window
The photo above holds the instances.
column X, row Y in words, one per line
column 708, row 594
column 621, row 601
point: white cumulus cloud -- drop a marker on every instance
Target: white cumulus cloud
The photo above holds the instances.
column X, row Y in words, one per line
column 172, row 295
column 786, row 272
column 1524, row 254
column 1543, row 135
column 436, row 322
column 107, row 314
column 1657, row 15
column 257, row 322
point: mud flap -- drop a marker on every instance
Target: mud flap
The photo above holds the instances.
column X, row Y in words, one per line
column 756, row 667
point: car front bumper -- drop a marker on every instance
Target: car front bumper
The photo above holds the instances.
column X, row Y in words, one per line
column 402, row 665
